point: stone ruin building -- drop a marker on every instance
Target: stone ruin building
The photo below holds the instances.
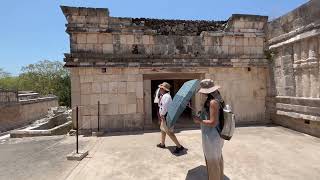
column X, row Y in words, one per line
column 268, row 71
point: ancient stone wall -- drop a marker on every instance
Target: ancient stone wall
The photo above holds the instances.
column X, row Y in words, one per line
column 113, row 60
column 21, row 113
column 294, row 44
column 122, row 94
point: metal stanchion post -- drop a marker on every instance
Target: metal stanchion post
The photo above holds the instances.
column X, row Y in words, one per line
column 98, row 116
column 77, row 133
column 76, row 156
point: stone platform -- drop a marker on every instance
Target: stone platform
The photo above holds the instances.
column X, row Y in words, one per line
column 262, row 153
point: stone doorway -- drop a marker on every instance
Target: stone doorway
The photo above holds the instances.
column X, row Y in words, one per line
column 175, row 86
column 151, row 82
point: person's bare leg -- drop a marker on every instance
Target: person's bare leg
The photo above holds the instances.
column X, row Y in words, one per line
column 163, row 137
column 174, row 139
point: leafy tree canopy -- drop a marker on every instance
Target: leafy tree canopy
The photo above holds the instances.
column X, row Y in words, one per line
column 45, row 77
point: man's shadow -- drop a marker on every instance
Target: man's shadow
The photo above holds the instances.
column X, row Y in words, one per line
column 200, row 173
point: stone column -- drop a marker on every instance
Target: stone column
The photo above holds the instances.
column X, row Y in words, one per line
column 147, row 102
column 287, row 66
column 305, row 70
column 314, row 67
column 296, row 67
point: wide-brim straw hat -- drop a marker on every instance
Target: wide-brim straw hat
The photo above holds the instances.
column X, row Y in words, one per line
column 207, row 86
column 166, row 86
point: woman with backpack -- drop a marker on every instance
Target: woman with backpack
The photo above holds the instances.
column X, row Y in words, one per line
column 212, row 143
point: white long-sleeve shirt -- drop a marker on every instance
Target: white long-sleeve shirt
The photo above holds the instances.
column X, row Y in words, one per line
column 156, row 98
column 165, row 101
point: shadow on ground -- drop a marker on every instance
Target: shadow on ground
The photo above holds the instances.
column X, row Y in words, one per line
column 172, row 148
column 200, row 173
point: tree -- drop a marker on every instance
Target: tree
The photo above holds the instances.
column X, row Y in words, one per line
column 47, row 77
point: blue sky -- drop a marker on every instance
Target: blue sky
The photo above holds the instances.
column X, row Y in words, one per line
column 34, row 30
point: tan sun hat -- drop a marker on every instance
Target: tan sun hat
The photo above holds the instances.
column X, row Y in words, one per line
column 166, row 86
column 207, row 86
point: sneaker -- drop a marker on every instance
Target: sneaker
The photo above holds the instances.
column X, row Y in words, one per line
column 178, row 150
column 161, row 146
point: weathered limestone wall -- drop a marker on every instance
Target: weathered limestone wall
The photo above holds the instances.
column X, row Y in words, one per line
column 122, row 94
column 113, row 60
column 245, row 90
column 18, row 114
column 295, row 94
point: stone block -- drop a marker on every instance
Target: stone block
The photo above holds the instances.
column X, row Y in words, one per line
column 94, row 98
column 105, row 99
column 132, row 108
column 119, row 78
column 107, row 48
column 113, row 87
column 81, row 38
column 253, row 50
column 140, row 106
column 90, row 47
column 231, row 50
column 96, row 87
column 131, row 98
column 247, row 50
column 86, row 88
column 85, row 99
column 92, row 38
column 131, row 87
column 139, row 89
column 105, row 39
column 208, row 41
column 260, row 42
column 116, row 71
column 151, row 40
column 130, row 39
column 111, row 109
column 104, row 87
column 133, row 78
column 131, row 71
column 116, row 123
column 245, row 41
column 138, row 39
column 122, row 87
column 145, row 39
column 97, row 48
column 123, row 39
column 239, row 41
column 123, row 108
column 239, row 50
column 225, row 50
column 239, row 24
column 252, row 41
column 248, row 25
column 259, row 50
column 121, row 99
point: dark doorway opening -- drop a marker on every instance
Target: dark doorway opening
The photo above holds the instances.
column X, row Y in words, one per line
column 186, row 118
